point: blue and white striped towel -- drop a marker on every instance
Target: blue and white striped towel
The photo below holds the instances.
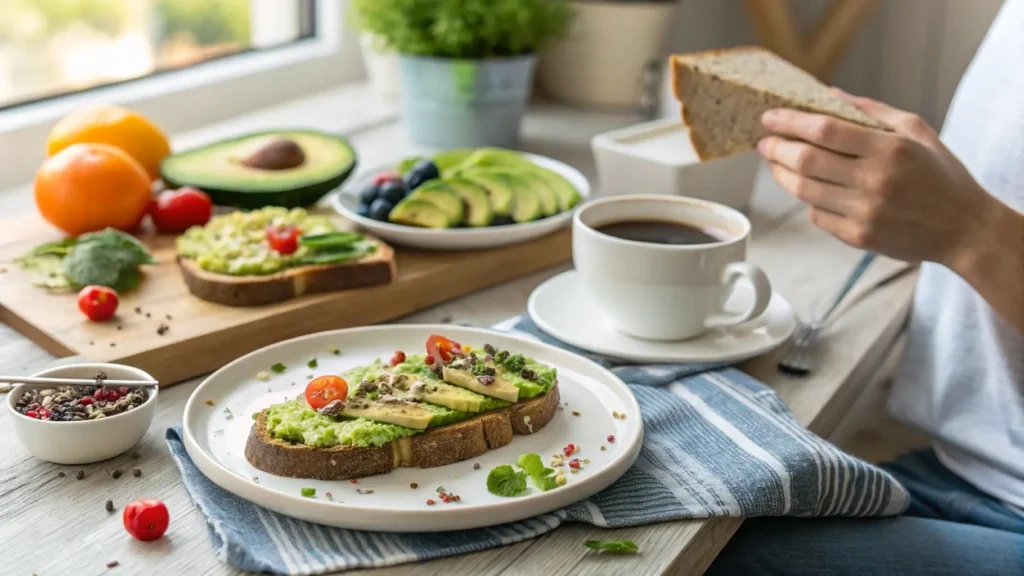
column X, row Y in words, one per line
column 716, row 443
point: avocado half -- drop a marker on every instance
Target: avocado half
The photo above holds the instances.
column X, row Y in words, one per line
column 289, row 168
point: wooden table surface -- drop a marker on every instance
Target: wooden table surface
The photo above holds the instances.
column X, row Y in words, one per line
column 58, row 525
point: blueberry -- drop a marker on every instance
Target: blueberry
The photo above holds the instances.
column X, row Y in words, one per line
column 423, row 170
column 393, row 191
column 368, row 194
column 380, row 209
column 363, row 210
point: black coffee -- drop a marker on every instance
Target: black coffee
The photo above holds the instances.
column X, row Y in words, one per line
column 662, row 232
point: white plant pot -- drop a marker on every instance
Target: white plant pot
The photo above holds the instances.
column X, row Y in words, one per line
column 601, row 60
column 382, row 68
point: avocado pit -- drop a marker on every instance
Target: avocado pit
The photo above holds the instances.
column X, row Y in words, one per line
column 280, row 154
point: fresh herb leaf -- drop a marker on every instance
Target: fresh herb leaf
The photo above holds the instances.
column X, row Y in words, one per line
column 543, row 477
column 278, row 368
column 505, row 481
column 441, row 489
column 228, row 415
column 335, row 350
column 59, row 248
column 515, row 363
column 125, row 247
column 330, row 240
column 129, row 279
column 46, row 271
column 309, row 492
column 311, row 363
column 614, row 546
column 255, row 415
column 105, row 258
column 336, row 255
column 92, row 264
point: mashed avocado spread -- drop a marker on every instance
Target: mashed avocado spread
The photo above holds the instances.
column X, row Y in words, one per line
column 295, row 422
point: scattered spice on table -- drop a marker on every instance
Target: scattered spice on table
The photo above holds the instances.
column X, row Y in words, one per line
column 135, row 455
column 91, row 343
column 109, row 506
column 162, row 329
column 138, row 310
column 228, row 415
column 169, row 317
column 329, row 496
column 137, row 472
column 361, row 491
column 113, row 564
column 312, row 363
column 334, row 350
column 602, row 447
column 116, row 473
column 60, row 474
column 73, row 403
column 119, row 327
column 148, row 315
column 430, row 502
column 575, row 413
column 80, row 474
column 414, row 485
column 446, row 320
column 256, row 479
column 476, row 466
column 112, row 344
column 263, row 377
column 210, row 402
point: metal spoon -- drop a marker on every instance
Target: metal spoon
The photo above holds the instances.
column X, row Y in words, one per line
column 50, row 382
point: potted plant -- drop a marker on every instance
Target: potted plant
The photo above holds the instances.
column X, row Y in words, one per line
column 466, row 65
column 612, row 56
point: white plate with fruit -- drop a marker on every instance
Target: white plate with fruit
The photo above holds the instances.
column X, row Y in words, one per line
column 465, row 199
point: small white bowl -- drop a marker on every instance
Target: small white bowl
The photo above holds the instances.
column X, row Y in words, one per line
column 84, row 441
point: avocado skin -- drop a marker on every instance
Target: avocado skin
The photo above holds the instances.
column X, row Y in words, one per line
column 297, row 196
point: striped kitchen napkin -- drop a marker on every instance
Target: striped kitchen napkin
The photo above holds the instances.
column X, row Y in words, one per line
column 716, row 443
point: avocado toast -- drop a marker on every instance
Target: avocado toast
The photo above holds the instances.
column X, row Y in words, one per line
column 274, row 254
column 421, row 411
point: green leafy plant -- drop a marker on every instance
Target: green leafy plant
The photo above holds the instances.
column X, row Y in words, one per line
column 469, row 29
column 543, row 477
column 105, row 258
column 612, row 546
column 505, row 481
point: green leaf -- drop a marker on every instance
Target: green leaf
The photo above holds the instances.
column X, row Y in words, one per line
column 126, row 247
column 129, row 279
column 278, row 368
column 505, row 481
column 92, row 264
column 319, row 242
column 613, row 546
column 311, row 363
column 46, row 271
column 59, row 248
column 309, row 492
column 543, row 477
column 352, row 251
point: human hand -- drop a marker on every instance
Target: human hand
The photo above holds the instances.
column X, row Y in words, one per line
column 899, row 193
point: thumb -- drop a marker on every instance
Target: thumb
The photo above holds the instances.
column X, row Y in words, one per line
column 901, row 121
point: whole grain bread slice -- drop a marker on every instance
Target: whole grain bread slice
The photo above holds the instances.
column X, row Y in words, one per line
column 438, row 446
column 724, row 93
column 372, row 270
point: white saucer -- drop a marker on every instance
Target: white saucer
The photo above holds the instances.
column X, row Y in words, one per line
column 562, row 308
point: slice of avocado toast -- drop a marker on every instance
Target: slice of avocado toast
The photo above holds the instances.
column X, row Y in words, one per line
column 442, row 422
column 289, row 168
column 233, row 260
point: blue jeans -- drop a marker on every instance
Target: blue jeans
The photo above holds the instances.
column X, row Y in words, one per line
column 951, row 528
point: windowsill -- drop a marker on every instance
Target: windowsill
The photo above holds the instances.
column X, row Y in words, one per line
column 357, row 112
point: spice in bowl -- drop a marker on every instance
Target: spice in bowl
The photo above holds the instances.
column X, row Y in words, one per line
column 74, row 403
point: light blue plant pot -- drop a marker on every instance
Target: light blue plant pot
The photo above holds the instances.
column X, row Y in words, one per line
column 450, row 103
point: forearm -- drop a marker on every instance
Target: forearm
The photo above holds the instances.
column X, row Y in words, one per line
column 993, row 262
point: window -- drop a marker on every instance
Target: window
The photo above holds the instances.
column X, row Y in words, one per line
column 50, row 48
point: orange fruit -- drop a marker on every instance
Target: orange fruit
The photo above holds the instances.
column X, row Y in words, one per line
column 116, row 126
column 88, row 187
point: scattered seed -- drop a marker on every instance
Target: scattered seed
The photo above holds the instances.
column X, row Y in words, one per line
column 169, row 317
column 575, row 413
column 109, row 506
column 91, row 343
column 329, row 496
column 263, row 377
column 561, row 409
column 354, row 481
column 112, row 344
column 309, row 376
column 476, row 466
column 361, row 491
column 60, row 474
column 80, row 474
column 602, row 447
column 414, row 485
column 120, row 327
column 430, row 502
column 446, row 320
column 137, row 472
column 162, row 329
column 148, row 315
column 611, row 438
column 138, row 310
column 586, row 460
column 113, row 564
column 3, row 270
column 210, row 402
column 334, row 350
column 256, row 479
column 135, row 455
column 116, row 473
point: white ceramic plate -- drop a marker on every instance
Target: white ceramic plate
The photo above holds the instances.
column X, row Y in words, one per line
column 561, row 307
column 346, row 202
column 216, row 442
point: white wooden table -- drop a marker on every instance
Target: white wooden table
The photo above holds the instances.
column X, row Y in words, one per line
column 58, row 525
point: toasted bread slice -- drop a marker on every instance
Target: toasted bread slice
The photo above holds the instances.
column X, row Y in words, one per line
column 372, row 270
column 438, row 446
column 724, row 93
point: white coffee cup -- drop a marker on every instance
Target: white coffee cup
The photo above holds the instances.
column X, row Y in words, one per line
column 665, row 291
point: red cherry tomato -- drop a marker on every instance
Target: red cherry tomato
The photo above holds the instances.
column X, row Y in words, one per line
column 175, row 211
column 284, row 239
column 440, row 347
column 98, row 303
column 146, row 519
column 398, row 358
column 324, row 390
column 383, row 177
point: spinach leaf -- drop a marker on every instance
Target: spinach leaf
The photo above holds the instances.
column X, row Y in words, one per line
column 505, row 481
column 92, row 264
column 330, row 240
column 614, row 546
column 124, row 247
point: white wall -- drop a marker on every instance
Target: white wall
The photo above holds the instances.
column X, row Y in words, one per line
column 909, row 53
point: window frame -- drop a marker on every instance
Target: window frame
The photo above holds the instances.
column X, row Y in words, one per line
column 192, row 97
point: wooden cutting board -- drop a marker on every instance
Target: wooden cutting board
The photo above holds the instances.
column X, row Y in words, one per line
column 202, row 337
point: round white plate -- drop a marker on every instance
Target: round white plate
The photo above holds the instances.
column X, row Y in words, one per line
column 561, row 307
column 215, row 436
column 346, row 202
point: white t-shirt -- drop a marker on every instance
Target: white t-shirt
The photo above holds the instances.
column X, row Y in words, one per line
column 962, row 376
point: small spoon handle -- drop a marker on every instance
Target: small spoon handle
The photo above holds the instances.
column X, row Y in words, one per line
column 36, row 381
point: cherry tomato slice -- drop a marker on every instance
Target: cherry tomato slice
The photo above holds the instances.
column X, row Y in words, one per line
column 284, row 239
column 324, row 390
column 174, row 211
column 98, row 303
column 146, row 519
column 440, row 347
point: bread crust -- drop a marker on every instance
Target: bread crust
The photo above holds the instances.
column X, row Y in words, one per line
column 372, row 270
column 438, row 446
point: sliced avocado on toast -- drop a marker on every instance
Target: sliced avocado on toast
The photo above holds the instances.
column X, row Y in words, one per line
column 290, row 168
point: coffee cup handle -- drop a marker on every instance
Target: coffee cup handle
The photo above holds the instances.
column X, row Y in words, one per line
column 732, row 274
